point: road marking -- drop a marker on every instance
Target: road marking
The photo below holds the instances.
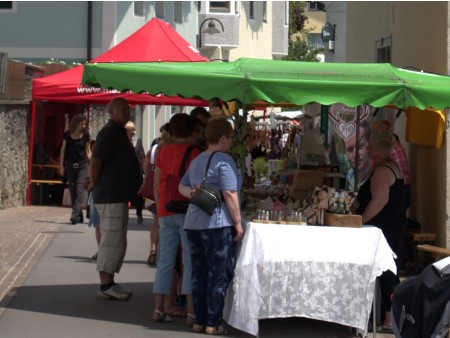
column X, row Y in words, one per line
column 27, row 262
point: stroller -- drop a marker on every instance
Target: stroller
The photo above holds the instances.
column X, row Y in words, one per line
column 421, row 304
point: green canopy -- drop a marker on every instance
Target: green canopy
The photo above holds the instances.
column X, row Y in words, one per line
column 250, row 80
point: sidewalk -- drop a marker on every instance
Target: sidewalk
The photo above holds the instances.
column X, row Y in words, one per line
column 48, row 285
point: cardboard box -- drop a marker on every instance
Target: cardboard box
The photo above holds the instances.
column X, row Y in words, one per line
column 351, row 221
column 304, row 182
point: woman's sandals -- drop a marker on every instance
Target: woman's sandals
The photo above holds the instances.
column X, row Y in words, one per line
column 161, row 317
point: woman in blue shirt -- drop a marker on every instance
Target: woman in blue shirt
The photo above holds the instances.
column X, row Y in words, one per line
column 212, row 238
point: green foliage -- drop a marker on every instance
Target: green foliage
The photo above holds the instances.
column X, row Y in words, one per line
column 238, row 149
column 298, row 47
column 53, row 61
column 300, row 51
column 259, row 166
column 297, row 17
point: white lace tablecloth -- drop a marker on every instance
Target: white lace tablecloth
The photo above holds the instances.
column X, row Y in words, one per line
column 324, row 273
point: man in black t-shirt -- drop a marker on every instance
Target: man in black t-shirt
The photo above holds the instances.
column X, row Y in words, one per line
column 115, row 178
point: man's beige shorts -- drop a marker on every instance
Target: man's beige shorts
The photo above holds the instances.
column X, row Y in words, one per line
column 113, row 243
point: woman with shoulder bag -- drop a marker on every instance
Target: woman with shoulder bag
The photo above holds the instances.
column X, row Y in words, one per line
column 212, row 238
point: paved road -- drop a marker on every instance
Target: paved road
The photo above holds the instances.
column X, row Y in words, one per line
column 48, row 285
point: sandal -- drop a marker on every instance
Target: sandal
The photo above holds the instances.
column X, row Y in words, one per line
column 190, row 319
column 198, row 328
column 160, row 317
column 385, row 329
column 152, row 258
column 216, row 331
column 178, row 312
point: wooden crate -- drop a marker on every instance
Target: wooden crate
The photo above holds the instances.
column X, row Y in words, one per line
column 352, row 221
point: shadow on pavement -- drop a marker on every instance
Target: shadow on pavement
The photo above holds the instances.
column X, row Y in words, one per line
column 79, row 301
column 82, row 259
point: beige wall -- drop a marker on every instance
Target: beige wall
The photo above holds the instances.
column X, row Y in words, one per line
column 416, row 41
column 316, row 20
column 419, row 33
column 255, row 36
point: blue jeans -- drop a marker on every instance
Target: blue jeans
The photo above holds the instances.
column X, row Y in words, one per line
column 213, row 255
column 170, row 234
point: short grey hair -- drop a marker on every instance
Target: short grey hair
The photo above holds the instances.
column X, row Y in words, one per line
column 113, row 103
column 384, row 140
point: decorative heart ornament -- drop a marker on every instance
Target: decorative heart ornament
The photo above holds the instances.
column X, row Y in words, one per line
column 344, row 118
column 345, row 130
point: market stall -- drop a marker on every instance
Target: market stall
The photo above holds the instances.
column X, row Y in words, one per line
column 269, row 82
column 361, row 87
column 58, row 97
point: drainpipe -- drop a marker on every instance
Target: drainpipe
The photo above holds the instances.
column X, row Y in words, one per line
column 89, row 31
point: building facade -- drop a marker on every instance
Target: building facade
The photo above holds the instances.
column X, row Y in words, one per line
column 412, row 35
column 77, row 31
column 251, row 29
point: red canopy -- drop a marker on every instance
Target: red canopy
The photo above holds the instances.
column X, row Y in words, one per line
column 156, row 41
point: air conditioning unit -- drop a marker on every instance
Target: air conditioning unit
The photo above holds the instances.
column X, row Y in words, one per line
column 3, row 69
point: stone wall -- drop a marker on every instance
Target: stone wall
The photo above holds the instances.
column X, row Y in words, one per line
column 97, row 119
column 14, row 150
column 15, row 119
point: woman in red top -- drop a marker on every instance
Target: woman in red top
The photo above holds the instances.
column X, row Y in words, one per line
column 184, row 131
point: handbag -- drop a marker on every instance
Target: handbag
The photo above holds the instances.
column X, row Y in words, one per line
column 176, row 202
column 205, row 196
column 146, row 189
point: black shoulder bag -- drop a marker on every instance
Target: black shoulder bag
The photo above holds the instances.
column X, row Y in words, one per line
column 206, row 197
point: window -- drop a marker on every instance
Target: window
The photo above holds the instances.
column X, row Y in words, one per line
column 251, row 14
column 178, row 11
column 286, row 13
column 3, row 68
column 383, row 50
column 6, row 5
column 265, row 11
column 138, row 8
column 236, row 7
column 315, row 6
column 159, row 9
column 384, row 55
column 220, row 6
column 315, row 40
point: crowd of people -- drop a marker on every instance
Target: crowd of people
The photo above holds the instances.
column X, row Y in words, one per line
column 183, row 240
column 194, row 252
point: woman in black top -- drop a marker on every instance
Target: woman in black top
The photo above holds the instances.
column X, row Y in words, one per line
column 381, row 203
column 75, row 155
